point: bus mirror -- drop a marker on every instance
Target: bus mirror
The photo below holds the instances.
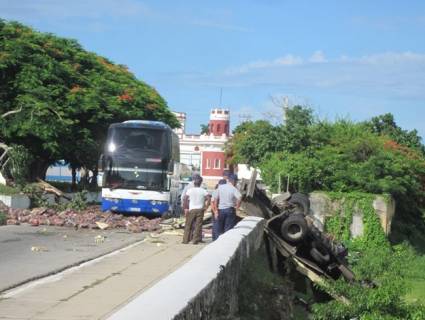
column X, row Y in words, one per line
column 101, row 163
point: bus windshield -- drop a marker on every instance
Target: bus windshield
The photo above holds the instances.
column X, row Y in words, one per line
column 136, row 158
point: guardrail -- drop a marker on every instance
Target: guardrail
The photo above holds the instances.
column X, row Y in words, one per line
column 206, row 286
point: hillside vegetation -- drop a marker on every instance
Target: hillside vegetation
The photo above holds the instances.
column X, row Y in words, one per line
column 353, row 161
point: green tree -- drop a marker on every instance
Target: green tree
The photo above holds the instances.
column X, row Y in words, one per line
column 60, row 99
column 205, row 129
column 295, row 134
column 252, row 142
column 386, row 125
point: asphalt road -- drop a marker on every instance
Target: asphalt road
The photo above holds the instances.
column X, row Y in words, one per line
column 28, row 253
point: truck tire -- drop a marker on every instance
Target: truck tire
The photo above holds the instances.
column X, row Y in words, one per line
column 294, row 228
column 301, row 201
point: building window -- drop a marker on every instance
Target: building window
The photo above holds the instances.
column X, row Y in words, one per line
column 208, row 164
column 225, row 128
column 219, row 111
column 217, row 164
column 212, row 128
column 218, row 128
column 226, row 166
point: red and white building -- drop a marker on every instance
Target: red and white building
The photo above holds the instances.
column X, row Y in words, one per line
column 205, row 152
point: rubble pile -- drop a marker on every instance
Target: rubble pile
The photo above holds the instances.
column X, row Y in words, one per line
column 92, row 218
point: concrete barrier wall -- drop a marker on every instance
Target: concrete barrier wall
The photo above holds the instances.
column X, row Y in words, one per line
column 16, row 201
column 206, row 286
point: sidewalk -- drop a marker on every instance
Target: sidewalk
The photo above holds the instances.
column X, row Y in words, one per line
column 96, row 289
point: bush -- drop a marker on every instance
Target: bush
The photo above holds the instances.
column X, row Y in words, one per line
column 79, row 201
column 3, row 218
column 20, row 160
column 6, row 190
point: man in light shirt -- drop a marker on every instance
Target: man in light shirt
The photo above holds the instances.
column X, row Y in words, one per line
column 229, row 200
column 196, row 200
column 214, row 209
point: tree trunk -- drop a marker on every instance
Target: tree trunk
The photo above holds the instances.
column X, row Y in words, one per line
column 38, row 169
column 74, row 178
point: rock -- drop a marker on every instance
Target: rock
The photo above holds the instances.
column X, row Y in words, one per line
column 12, row 222
column 34, row 222
column 134, row 228
column 38, row 211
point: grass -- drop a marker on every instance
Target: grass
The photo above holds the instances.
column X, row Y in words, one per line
column 8, row 191
column 3, row 218
column 417, row 293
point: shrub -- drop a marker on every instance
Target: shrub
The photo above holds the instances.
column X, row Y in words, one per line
column 3, row 218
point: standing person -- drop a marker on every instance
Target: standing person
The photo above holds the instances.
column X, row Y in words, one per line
column 190, row 185
column 214, row 209
column 196, row 201
column 229, row 200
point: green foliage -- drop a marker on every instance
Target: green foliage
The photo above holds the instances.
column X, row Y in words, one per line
column 295, row 134
column 65, row 97
column 3, row 218
column 8, row 191
column 20, row 160
column 252, row 141
column 352, row 162
column 79, row 201
column 261, row 293
column 348, row 158
column 371, row 258
column 339, row 223
column 35, row 193
column 205, row 129
column 386, row 125
column 255, row 141
column 389, row 267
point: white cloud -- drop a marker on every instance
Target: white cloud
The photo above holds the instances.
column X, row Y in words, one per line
column 317, row 57
column 393, row 58
column 390, row 75
column 287, row 60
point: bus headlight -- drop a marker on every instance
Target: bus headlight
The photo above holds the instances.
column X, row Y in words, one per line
column 112, row 147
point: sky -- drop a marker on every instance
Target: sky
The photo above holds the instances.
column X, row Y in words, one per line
column 345, row 59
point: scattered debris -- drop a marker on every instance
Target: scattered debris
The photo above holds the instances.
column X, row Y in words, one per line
column 38, row 249
column 99, row 239
column 102, row 225
column 90, row 218
column 51, row 189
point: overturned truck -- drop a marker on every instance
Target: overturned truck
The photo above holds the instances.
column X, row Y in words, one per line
column 293, row 233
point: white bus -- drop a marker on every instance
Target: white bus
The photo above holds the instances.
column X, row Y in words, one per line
column 140, row 170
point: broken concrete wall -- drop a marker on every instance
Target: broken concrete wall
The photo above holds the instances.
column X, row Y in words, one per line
column 206, row 287
column 16, row 201
column 322, row 206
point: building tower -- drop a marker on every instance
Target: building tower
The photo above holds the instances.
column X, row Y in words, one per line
column 181, row 117
column 219, row 122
